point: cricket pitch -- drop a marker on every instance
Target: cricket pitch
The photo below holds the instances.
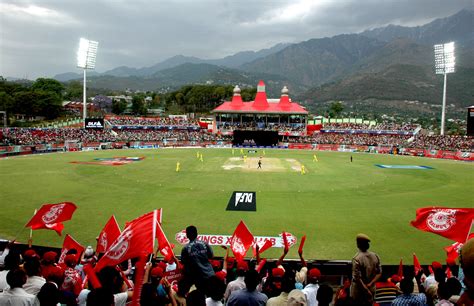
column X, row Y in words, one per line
column 269, row 164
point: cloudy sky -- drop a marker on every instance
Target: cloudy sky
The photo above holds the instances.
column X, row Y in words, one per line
column 40, row 37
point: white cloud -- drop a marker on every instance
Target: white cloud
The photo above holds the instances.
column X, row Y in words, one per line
column 297, row 11
column 35, row 13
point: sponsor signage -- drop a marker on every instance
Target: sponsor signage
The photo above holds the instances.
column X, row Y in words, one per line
column 217, row 239
column 94, row 124
column 243, row 201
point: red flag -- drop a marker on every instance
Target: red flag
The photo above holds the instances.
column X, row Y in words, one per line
column 108, row 235
column 136, row 240
column 140, row 273
column 164, row 247
column 261, row 265
column 241, row 241
column 69, row 244
column 453, row 250
column 449, row 274
column 50, row 216
column 90, row 274
column 303, row 239
column 285, row 241
column 159, row 216
column 452, row 223
column 268, row 244
column 416, row 264
column 400, row 269
column 262, row 247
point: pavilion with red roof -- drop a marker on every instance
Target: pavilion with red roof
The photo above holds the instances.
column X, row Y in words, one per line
column 288, row 117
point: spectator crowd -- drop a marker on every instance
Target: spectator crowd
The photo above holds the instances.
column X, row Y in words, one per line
column 181, row 130
column 31, row 278
column 153, row 121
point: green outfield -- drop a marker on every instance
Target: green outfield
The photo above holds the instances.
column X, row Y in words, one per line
column 331, row 203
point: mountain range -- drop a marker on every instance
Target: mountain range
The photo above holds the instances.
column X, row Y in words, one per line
column 388, row 63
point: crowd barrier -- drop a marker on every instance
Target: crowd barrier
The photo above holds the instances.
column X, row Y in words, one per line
column 6, row 151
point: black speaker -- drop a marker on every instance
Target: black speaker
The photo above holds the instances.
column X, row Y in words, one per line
column 470, row 121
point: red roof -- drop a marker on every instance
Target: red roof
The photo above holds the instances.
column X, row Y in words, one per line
column 260, row 105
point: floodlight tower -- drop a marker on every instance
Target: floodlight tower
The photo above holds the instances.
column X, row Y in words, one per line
column 444, row 64
column 86, row 55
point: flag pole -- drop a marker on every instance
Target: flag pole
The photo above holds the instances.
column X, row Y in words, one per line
column 469, row 233
column 155, row 214
column 30, row 239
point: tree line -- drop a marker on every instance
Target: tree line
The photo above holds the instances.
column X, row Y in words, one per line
column 44, row 98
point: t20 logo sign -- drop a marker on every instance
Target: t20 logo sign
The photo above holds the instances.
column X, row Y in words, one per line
column 243, row 201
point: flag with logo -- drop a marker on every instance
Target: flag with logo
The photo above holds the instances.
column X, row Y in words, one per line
column 51, row 216
column 70, row 243
column 108, row 235
column 452, row 223
column 241, row 241
column 136, row 240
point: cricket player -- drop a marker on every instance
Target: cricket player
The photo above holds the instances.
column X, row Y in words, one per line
column 303, row 170
column 178, row 166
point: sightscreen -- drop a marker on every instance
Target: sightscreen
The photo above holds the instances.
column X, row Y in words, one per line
column 255, row 138
column 470, row 121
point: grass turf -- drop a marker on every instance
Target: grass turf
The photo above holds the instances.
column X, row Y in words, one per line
column 331, row 203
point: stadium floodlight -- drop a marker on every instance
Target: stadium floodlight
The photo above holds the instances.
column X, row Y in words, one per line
column 444, row 64
column 86, row 55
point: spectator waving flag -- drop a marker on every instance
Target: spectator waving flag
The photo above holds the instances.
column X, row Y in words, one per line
column 108, row 235
column 69, row 244
column 452, row 223
column 241, row 241
column 51, row 216
column 137, row 239
column 453, row 250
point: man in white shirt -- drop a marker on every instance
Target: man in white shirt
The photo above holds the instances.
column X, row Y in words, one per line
column 238, row 283
column 311, row 289
column 12, row 262
column 16, row 295
column 35, row 281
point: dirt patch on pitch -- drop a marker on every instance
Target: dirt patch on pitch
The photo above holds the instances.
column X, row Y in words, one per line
column 268, row 164
column 294, row 164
